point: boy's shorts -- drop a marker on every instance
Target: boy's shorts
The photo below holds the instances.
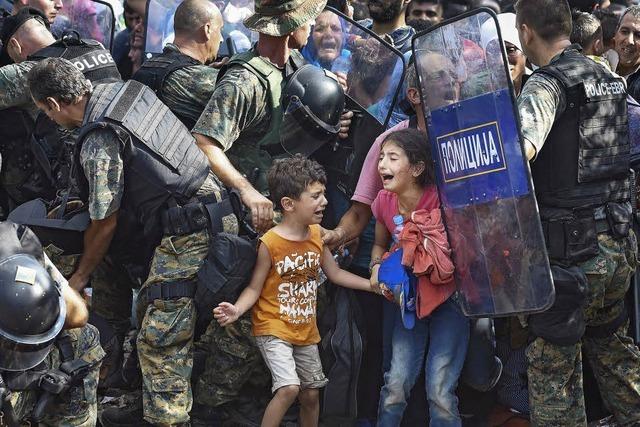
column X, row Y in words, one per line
column 291, row 364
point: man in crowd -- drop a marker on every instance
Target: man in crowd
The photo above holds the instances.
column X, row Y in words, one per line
column 627, row 45
column 24, row 177
column 179, row 75
column 243, row 115
column 49, row 8
column 588, row 195
column 423, row 14
column 587, row 32
column 388, row 20
column 122, row 40
column 185, row 84
column 116, row 179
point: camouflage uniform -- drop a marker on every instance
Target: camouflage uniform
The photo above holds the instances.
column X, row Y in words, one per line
column 77, row 407
column 237, row 112
column 165, row 339
column 187, row 90
column 13, row 87
column 554, row 373
column 237, row 116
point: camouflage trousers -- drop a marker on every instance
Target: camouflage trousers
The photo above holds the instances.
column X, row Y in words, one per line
column 165, row 338
column 233, row 364
column 78, row 406
column 556, row 395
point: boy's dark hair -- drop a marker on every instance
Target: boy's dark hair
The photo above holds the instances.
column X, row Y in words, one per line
column 586, row 29
column 550, row 19
column 415, row 144
column 290, row 177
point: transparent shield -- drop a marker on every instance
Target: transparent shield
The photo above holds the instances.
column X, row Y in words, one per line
column 236, row 37
column 371, row 69
column 92, row 19
column 483, row 178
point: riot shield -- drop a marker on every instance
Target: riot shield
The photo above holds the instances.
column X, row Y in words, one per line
column 236, row 37
column 372, row 72
column 92, row 19
column 483, row 178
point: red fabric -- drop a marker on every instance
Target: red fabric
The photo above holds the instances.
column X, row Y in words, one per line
column 426, row 250
column 385, row 205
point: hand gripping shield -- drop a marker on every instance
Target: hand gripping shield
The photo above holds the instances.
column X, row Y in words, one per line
column 483, row 178
column 91, row 19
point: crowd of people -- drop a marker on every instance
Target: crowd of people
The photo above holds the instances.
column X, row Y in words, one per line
column 239, row 213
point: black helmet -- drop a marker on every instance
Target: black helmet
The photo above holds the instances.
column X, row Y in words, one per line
column 313, row 102
column 32, row 315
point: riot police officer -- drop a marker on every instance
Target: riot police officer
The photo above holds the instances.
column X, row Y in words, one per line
column 48, row 372
column 179, row 75
column 574, row 122
column 38, row 168
column 149, row 190
column 244, row 113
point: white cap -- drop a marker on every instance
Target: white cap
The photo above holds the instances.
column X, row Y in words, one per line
column 507, row 23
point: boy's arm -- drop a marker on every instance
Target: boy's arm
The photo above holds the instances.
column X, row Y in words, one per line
column 342, row 277
column 227, row 313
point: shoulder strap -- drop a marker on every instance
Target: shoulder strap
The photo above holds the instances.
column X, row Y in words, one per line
column 64, row 345
column 155, row 71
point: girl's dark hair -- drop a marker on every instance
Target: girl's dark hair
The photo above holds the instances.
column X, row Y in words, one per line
column 415, row 144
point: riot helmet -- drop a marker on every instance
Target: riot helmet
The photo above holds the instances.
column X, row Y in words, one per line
column 313, row 102
column 33, row 312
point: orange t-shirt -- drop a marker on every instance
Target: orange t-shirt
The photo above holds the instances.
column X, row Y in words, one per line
column 287, row 305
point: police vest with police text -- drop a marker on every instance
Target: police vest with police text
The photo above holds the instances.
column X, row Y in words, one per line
column 88, row 56
column 585, row 159
column 155, row 71
column 255, row 157
column 40, row 163
column 162, row 164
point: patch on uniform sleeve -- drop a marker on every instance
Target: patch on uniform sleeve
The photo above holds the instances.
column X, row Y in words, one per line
column 25, row 275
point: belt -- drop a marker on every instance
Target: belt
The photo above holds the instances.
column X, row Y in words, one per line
column 167, row 291
column 198, row 214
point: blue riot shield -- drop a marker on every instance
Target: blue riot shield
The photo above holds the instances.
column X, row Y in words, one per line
column 483, row 178
column 371, row 72
column 92, row 19
column 236, row 37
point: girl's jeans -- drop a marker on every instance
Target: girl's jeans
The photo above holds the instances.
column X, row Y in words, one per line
column 443, row 337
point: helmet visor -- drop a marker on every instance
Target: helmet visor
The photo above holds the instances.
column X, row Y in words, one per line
column 303, row 132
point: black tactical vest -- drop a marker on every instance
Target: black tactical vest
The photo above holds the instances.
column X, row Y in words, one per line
column 162, row 163
column 585, row 159
column 41, row 159
column 155, row 71
column 89, row 56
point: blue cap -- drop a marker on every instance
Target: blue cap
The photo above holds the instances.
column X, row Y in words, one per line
column 402, row 284
column 398, row 219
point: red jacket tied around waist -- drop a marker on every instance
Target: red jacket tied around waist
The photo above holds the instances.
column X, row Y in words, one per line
column 426, row 251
